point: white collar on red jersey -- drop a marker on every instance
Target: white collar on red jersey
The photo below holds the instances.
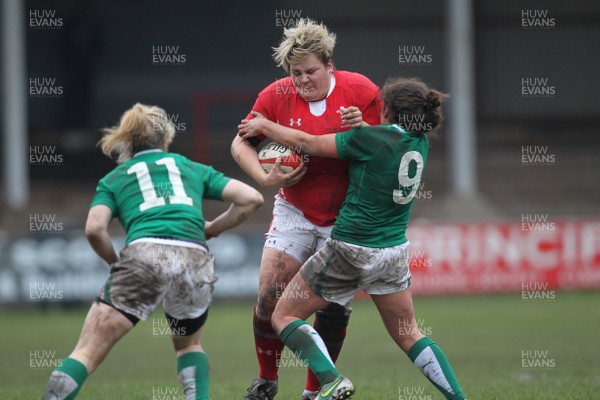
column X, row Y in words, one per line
column 317, row 108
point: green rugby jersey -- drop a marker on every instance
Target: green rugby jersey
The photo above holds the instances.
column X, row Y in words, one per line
column 385, row 175
column 159, row 194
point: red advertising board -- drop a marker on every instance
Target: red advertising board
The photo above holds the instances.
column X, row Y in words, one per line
column 530, row 255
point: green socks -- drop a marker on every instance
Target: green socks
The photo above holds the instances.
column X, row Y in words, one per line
column 193, row 372
column 301, row 338
column 431, row 361
column 192, row 369
column 66, row 380
column 308, row 346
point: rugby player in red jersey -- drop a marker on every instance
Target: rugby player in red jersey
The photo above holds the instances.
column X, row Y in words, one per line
column 315, row 98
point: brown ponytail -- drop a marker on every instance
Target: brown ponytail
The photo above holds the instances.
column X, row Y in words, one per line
column 413, row 105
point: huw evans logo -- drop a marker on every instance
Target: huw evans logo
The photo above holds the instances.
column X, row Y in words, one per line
column 537, row 291
column 44, row 87
column 163, row 189
column 537, row 156
column 44, row 19
column 43, row 359
column 169, row 258
column 284, row 87
column 414, row 123
column 413, row 393
column 162, row 328
column 287, row 18
column 44, row 291
column 289, row 359
column 167, row 393
column 168, row 55
column 290, row 291
column 44, row 155
column 537, row 223
column 409, row 328
column 423, row 194
column 537, row 19
column 537, row 87
column 44, row 223
column 160, row 123
column 413, row 55
column 536, row 359
column 418, row 260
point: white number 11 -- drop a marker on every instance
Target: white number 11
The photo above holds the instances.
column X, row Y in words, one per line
column 147, row 188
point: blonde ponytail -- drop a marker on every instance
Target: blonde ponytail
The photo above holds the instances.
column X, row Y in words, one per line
column 141, row 127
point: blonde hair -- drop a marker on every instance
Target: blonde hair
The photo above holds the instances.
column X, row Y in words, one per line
column 141, row 127
column 306, row 38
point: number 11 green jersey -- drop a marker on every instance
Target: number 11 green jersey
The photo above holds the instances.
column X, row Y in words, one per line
column 159, row 194
column 385, row 175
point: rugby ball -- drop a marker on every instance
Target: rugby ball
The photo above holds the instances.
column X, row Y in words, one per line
column 267, row 156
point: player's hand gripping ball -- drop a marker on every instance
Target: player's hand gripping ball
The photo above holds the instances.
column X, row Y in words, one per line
column 267, row 156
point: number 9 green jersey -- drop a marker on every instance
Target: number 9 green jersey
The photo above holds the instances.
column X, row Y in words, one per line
column 158, row 194
column 385, row 174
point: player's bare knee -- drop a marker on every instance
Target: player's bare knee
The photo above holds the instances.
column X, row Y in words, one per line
column 277, row 269
column 268, row 295
column 104, row 325
column 265, row 306
column 278, row 265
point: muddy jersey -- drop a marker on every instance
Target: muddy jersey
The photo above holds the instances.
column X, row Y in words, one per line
column 386, row 164
column 320, row 193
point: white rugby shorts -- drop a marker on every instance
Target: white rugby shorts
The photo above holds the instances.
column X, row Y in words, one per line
column 293, row 234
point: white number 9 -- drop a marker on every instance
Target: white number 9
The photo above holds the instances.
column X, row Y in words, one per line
column 406, row 183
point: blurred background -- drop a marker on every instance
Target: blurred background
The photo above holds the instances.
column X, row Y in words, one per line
column 505, row 231
column 510, row 195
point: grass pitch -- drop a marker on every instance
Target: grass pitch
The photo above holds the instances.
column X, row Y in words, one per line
column 501, row 347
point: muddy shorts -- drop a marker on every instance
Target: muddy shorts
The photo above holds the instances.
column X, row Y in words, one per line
column 340, row 270
column 150, row 271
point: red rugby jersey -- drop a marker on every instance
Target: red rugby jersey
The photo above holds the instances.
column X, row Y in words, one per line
column 321, row 192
